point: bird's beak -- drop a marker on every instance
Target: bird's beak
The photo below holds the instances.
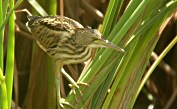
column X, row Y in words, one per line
column 108, row 44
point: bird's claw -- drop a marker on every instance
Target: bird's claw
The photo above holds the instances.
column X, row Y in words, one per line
column 62, row 103
column 76, row 86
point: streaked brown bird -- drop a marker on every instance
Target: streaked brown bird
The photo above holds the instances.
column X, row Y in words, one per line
column 65, row 40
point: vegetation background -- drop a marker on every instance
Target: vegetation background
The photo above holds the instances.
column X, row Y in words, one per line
column 139, row 26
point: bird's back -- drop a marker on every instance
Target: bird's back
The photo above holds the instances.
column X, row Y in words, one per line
column 48, row 29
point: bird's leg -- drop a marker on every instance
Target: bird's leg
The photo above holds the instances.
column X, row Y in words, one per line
column 73, row 84
column 60, row 101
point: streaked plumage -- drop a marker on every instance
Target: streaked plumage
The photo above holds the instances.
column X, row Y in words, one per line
column 68, row 41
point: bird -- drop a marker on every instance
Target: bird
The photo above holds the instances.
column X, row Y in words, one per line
column 65, row 40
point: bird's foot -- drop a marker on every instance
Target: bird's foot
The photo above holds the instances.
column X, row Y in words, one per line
column 75, row 88
column 74, row 85
column 62, row 104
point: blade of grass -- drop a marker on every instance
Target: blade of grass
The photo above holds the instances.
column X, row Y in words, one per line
column 10, row 54
column 1, row 56
column 10, row 13
column 52, row 9
column 154, row 65
column 118, row 29
column 137, row 55
column 139, row 70
column 1, row 36
column 101, row 93
column 5, row 7
column 3, row 92
column 38, row 7
column 134, row 16
column 121, row 72
column 108, row 82
column 151, row 47
column 129, row 11
column 111, row 16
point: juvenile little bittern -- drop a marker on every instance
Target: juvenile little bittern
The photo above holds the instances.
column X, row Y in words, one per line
column 66, row 42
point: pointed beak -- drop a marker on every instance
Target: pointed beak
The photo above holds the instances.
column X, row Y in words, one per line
column 108, row 44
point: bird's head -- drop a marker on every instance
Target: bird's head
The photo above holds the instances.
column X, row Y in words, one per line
column 92, row 38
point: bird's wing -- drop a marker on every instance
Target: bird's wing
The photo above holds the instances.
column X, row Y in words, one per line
column 57, row 23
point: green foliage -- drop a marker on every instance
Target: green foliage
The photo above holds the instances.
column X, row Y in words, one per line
column 7, row 80
column 136, row 32
column 122, row 73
